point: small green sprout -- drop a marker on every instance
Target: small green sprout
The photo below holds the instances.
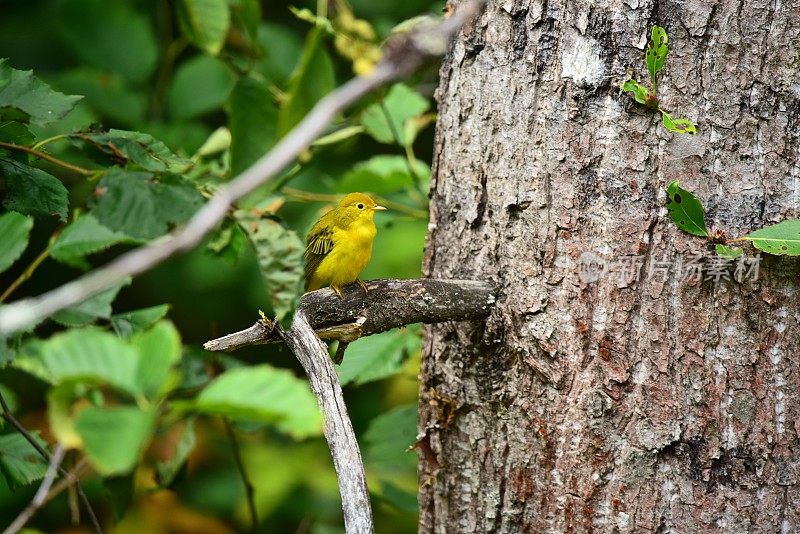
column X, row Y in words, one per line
column 655, row 58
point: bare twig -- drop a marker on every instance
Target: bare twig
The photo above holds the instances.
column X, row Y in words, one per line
column 403, row 54
column 248, row 486
column 52, row 159
column 313, row 356
column 388, row 304
column 10, row 419
column 41, row 494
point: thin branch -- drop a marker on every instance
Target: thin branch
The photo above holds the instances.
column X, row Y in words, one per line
column 403, row 54
column 41, row 494
column 322, row 197
column 248, row 486
column 313, row 356
column 10, row 419
column 52, row 159
column 26, row 274
column 388, row 304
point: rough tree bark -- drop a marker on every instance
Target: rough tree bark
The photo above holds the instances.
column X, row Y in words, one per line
column 643, row 401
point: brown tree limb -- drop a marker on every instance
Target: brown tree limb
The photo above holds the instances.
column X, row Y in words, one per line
column 313, row 356
column 388, row 304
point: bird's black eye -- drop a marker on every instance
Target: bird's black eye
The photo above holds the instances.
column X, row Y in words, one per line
column 361, row 206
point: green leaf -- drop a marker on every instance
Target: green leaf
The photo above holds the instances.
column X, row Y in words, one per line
column 276, row 62
column 106, row 93
column 263, row 393
column 656, row 54
column 378, row 356
column 205, row 23
column 135, row 204
column 14, row 227
column 167, row 470
column 252, row 119
column 128, row 323
column 725, row 251
column 782, row 239
column 383, row 175
column 280, row 258
column 159, row 350
column 86, row 354
column 677, row 125
column 138, row 148
column 401, row 103
column 109, row 35
column 686, row 210
column 246, row 14
column 388, row 438
column 20, row 464
column 82, row 237
column 200, row 85
column 640, row 93
column 114, row 437
column 312, row 79
column 91, row 309
column 21, row 91
column 32, row 191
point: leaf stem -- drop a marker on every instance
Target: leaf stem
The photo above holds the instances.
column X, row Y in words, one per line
column 248, row 486
column 409, row 152
column 26, row 274
column 45, row 156
column 40, row 144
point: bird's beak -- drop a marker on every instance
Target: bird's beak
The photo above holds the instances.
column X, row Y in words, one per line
column 379, row 208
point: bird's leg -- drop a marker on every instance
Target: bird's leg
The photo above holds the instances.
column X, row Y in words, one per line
column 337, row 290
column 363, row 285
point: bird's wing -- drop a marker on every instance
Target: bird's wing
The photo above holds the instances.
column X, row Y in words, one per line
column 318, row 244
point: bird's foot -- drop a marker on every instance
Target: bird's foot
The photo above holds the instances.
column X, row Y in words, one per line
column 363, row 286
column 337, row 290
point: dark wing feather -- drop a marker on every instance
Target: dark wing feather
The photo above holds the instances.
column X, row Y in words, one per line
column 318, row 244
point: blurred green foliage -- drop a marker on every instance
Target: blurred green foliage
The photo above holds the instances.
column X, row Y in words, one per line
column 118, row 119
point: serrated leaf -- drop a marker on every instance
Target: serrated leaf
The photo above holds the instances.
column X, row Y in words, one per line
column 114, row 437
column 383, row 175
column 200, row 85
column 677, row 125
column 312, row 79
column 401, row 103
column 127, row 323
column 87, row 354
column 32, row 191
column 725, row 251
column 14, row 229
column 91, row 309
column 159, row 350
column 640, row 93
column 376, row 357
column 263, row 393
column 20, row 464
column 140, row 207
column 252, row 117
column 388, row 438
column 686, row 210
column 782, row 239
column 656, row 54
column 82, row 237
column 109, row 35
column 280, row 259
column 167, row 470
column 205, row 23
column 140, row 149
column 21, row 91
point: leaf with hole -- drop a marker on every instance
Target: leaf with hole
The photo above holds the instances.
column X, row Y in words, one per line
column 656, row 54
column 15, row 228
column 782, row 239
column 677, row 125
column 640, row 93
column 724, row 251
column 686, row 210
column 26, row 98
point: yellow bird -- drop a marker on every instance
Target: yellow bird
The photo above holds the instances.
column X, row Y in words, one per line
column 339, row 245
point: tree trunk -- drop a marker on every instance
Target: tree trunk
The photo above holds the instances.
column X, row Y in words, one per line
column 635, row 399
